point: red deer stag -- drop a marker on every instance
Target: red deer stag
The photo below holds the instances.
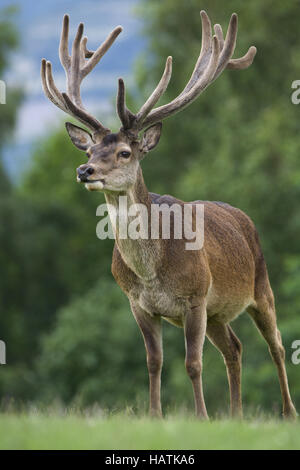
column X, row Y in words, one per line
column 200, row 290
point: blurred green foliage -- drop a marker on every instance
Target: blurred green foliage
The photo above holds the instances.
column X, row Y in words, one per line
column 69, row 331
column 9, row 41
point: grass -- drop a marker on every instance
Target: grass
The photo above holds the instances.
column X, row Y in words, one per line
column 72, row 430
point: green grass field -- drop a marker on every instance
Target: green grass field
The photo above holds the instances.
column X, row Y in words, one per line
column 73, row 431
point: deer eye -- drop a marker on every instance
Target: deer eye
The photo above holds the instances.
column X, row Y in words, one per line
column 124, row 154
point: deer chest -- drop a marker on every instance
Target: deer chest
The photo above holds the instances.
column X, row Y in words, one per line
column 154, row 298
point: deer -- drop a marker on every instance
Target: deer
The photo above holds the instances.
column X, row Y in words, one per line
column 201, row 291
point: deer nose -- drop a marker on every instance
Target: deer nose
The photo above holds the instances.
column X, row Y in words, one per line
column 84, row 171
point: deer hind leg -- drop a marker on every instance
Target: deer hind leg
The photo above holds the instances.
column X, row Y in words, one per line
column 264, row 317
column 151, row 330
column 194, row 330
column 224, row 339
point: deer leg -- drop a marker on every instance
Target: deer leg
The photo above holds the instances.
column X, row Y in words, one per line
column 264, row 317
column 151, row 330
column 194, row 330
column 224, row 339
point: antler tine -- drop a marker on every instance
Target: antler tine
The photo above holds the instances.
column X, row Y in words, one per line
column 64, row 43
column 102, row 49
column 229, row 45
column 121, row 106
column 74, row 75
column 126, row 116
column 52, row 87
column 206, row 34
column 219, row 34
column 243, row 62
column 205, row 53
column 157, row 93
column 87, row 53
column 45, row 86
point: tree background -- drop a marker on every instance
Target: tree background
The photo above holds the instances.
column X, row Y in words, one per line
column 68, row 328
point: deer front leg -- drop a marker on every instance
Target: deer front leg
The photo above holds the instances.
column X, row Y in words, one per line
column 194, row 330
column 151, row 331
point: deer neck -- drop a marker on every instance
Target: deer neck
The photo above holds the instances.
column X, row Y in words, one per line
column 141, row 254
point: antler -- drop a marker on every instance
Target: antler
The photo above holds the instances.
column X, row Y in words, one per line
column 215, row 56
column 76, row 68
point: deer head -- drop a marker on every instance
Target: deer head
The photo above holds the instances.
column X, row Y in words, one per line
column 114, row 158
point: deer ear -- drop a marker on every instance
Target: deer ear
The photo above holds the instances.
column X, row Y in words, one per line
column 150, row 138
column 80, row 138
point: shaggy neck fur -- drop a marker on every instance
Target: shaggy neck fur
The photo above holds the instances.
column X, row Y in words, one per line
column 140, row 255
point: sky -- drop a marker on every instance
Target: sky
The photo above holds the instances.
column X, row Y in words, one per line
column 39, row 24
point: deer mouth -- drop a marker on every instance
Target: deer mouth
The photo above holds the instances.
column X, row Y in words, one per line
column 94, row 185
column 87, row 180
